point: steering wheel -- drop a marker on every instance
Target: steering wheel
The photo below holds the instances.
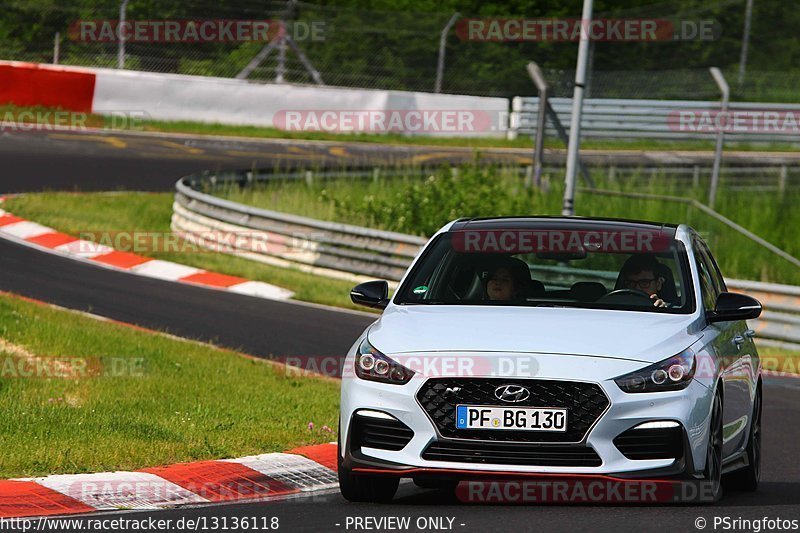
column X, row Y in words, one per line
column 626, row 295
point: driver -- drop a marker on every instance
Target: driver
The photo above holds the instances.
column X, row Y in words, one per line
column 508, row 279
column 641, row 272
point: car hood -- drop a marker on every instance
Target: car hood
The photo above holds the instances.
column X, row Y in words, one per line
column 638, row 336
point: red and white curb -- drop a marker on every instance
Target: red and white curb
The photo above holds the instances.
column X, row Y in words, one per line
column 48, row 239
column 259, row 477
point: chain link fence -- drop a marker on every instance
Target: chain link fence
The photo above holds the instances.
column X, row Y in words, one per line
column 393, row 49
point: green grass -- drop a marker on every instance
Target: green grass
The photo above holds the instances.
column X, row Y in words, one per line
column 97, row 213
column 421, row 206
column 184, row 401
column 779, row 359
column 205, row 128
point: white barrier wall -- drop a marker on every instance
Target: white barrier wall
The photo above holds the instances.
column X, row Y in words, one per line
column 297, row 107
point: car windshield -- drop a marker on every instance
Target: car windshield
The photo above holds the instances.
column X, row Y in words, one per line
column 636, row 270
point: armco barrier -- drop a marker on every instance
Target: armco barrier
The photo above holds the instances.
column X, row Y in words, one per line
column 335, row 249
column 647, row 119
column 356, row 253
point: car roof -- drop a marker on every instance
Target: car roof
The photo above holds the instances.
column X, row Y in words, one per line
column 561, row 222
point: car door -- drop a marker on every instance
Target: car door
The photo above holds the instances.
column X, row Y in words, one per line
column 747, row 364
column 729, row 343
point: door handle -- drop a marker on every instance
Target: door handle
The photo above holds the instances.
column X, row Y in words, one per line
column 749, row 333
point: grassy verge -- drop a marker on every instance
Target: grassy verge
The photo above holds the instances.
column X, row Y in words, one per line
column 75, row 214
column 779, row 360
column 13, row 114
column 420, row 207
column 142, row 400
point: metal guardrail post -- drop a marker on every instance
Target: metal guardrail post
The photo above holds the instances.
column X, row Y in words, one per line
column 442, row 45
column 725, row 90
column 782, row 175
column 538, row 151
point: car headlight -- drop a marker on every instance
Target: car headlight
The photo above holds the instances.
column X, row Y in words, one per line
column 674, row 373
column 372, row 365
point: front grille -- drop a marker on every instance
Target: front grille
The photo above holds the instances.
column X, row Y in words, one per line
column 585, row 403
column 506, row 453
column 656, row 443
column 383, row 434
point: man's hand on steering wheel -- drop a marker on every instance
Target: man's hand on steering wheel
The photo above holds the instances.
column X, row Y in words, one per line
column 658, row 302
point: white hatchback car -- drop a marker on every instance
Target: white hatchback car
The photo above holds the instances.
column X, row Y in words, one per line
column 538, row 345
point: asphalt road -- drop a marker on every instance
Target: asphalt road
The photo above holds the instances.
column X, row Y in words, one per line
column 264, row 328
column 111, row 160
column 72, row 160
column 256, row 326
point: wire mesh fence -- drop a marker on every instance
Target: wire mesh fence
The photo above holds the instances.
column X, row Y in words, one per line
column 399, row 49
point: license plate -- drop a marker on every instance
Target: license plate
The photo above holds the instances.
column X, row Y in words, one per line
column 516, row 418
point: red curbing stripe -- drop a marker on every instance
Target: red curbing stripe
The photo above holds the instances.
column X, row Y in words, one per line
column 5, row 220
column 28, row 498
column 213, row 279
column 324, row 454
column 51, row 240
column 219, row 481
column 121, row 259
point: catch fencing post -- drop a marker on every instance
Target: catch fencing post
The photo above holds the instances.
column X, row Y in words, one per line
column 442, row 45
column 280, row 69
column 56, row 48
column 121, row 46
column 725, row 90
column 748, row 16
column 538, row 149
column 577, row 107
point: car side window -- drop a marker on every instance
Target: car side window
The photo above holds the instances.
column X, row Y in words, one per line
column 716, row 275
column 707, row 287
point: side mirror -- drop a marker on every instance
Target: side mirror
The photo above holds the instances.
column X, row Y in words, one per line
column 734, row 306
column 371, row 294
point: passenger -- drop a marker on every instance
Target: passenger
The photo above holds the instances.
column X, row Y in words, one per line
column 642, row 272
column 508, row 280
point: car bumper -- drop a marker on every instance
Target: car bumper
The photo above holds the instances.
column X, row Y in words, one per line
column 690, row 408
